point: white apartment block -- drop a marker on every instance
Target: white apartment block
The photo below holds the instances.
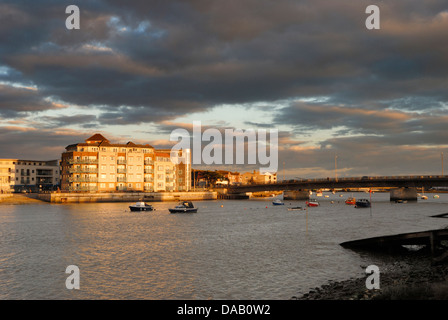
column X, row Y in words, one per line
column 18, row 175
column 100, row 166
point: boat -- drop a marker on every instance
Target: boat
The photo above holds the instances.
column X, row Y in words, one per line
column 401, row 201
column 436, row 196
column 362, row 203
column 350, row 201
column 312, row 203
column 319, row 194
column 184, row 207
column 141, row 206
column 277, row 202
column 424, row 197
column 295, row 208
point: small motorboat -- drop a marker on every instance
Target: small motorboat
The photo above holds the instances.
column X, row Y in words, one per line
column 362, row 203
column 424, row 198
column 312, row 203
column 184, row 207
column 350, row 201
column 141, row 206
column 277, row 202
column 295, row 208
column 436, row 196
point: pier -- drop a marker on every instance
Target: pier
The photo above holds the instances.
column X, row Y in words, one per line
column 84, row 197
column 431, row 238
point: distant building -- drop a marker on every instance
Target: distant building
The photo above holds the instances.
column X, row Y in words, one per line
column 232, row 178
column 18, row 175
column 256, row 177
column 98, row 165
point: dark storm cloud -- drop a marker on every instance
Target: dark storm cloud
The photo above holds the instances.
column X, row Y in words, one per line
column 192, row 55
column 18, row 142
column 154, row 61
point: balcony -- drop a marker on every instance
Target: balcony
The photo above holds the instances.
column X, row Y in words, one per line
column 148, row 180
column 83, row 179
column 149, row 170
column 121, row 170
column 83, row 170
column 82, row 189
column 83, row 161
column 121, row 161
column 121, row 179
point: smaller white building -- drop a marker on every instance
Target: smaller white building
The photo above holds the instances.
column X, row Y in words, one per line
column 18, row 175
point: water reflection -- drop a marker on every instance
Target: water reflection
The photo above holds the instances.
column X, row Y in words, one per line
column 228, row 250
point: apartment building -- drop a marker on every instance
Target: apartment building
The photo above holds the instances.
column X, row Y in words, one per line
column 18, row 175
column 102, row 166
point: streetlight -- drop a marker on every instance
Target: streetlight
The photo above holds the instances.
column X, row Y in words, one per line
column 442, row 163
column 336, row 167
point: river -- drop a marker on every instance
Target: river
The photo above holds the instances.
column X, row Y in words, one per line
column 229, row 249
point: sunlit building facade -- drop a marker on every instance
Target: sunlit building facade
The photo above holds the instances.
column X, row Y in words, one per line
column 18, row 175
column 100, row 166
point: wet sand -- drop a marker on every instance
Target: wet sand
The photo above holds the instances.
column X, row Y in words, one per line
column 18, row 198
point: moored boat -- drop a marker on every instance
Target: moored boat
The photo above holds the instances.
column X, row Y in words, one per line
column 350, row 201
column 312, row 203
column 141, row 206
column 295, row 208
column 362, row 203
column 277, row 202
column 184, row 207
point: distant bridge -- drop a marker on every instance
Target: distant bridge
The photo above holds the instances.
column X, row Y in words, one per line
column 346, row 183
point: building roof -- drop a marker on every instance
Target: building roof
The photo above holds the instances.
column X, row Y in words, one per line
column 99, row 140
column 96, row 138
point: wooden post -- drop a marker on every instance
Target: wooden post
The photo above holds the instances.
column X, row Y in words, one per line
column 432, row 242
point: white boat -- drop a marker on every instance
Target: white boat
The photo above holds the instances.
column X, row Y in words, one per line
column 141, row 206
column 277, row 202
column 184, row 207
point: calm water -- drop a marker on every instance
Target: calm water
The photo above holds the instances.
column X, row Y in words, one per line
column 244, row 249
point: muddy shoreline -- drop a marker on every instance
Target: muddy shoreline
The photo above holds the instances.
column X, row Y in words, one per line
column 413, row 276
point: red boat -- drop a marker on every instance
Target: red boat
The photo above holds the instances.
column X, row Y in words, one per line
column 350, row 201
column 312, row 203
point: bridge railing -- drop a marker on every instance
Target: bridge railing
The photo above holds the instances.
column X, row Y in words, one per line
column 347, row 179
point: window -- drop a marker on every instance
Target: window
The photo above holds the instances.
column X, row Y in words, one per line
column 103, row 185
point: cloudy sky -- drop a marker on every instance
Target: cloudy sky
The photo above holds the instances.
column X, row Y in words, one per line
column 136, row 70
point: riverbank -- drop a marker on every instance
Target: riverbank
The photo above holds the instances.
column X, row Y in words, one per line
column 19, row 198
column 411, row 277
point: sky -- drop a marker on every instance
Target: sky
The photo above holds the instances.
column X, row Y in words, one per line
column 367, row 102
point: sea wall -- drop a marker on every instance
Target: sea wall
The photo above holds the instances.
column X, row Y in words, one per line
column 126, row 196
column 409, row 194
column 296, row 195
